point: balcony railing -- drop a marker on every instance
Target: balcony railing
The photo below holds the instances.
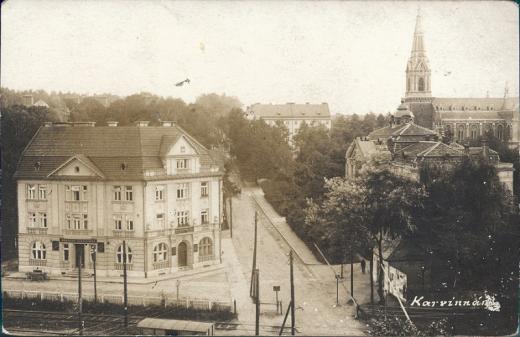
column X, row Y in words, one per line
column 37, row 230
column 38, row 263
column 69, row 231
column 184, row 229
column 123, row 233
column 161, row 264
column 119, row 266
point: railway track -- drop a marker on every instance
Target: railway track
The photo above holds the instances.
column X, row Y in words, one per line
column 108, row 324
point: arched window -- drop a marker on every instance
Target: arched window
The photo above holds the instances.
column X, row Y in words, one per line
column 460, row 132
column 474, row 132
column 420, row 84
column 205, row 249
column 500, row 132
column 120, row 254
column 38, row 251
column 160, row 252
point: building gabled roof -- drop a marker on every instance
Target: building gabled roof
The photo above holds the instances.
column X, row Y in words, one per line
column 119, row 153
column 430, row 149
column 407, row 129
column 290, row 110
column 82, row 159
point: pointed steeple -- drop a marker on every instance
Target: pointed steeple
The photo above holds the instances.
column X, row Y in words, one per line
column 418, row 73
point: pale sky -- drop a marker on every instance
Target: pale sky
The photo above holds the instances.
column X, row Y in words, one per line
column 350, row 54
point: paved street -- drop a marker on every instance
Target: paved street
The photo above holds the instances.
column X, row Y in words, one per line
column 317, row 313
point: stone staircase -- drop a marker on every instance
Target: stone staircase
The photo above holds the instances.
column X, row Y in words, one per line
column 73, row 273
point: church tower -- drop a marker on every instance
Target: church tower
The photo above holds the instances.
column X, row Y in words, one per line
column 418, row 73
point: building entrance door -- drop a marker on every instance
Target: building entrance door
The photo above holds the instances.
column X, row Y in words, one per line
column 80, row 255
column 183, row 254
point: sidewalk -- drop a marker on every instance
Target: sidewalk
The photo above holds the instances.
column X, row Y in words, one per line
column 180, row 275
column 281, row 225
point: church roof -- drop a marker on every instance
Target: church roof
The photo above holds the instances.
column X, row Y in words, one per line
column 290, row 110
column 475, row 104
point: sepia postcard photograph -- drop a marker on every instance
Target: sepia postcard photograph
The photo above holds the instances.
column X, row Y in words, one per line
column 259, row 168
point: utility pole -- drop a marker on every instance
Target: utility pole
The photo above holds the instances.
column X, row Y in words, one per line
column 231, row 216
column 351, row 272
column 337, row 289
column 254, row 256
column 80, row 299
column 257, row 313
column 94, row 250
column 125, row 286
column 285, row 319
column 293, row 330
column 372, row 279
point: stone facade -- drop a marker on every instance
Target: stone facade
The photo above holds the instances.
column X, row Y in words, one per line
column 157, row 188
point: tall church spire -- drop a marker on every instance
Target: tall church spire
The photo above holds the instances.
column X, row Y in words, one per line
column 418, row 73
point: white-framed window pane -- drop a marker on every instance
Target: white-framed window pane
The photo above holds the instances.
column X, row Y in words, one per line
column 31, row 192
column 42, row 192
column 32, row 219
column 204, row 189
column 43, row 220
column 129, row 193
column 159, row 192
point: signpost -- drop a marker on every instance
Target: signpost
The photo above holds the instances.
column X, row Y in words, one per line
column 276, row 289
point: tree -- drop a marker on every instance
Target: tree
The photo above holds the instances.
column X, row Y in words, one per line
column 375, row 206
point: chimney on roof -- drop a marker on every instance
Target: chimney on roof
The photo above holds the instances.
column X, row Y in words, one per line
column 91, row 124
column 112, row 123
column 167, row 124
column 142, row 123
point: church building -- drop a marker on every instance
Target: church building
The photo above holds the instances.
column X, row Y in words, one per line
column 461, row 119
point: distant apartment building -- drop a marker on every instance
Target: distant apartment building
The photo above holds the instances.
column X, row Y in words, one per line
column 83, row 189
column 292, row 115
column 27, row 100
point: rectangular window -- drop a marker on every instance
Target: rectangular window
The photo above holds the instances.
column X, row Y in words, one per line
column 76, row 219
column 129, row 193
column 182, row 191
column 159, row 192
column 76, row 196
column 85, row 221
column 118, row 222
column 42, row 192
column 55, row 245
column 32, row 219
column 204, row 189
column 117, row 193
column 31, row 192
column 183, row 218
column 183, row 164
column 204, row 216
column 69, row 221
column 129, row 224
column 65, row 252
column 101, row 247
column 84, row 196
column 43, row 220
column 160, row 220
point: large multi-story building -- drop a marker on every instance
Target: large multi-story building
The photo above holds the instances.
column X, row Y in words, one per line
column 462, row 119
column 293, row 116
column 82, row 187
